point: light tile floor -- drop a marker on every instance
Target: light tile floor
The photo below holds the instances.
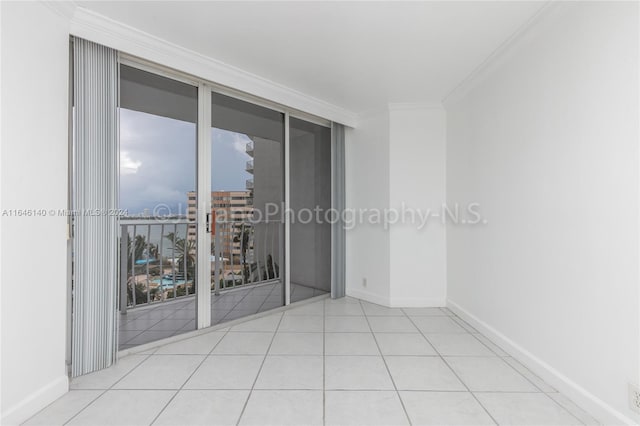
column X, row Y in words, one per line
column 161, row 320
column 330, row 362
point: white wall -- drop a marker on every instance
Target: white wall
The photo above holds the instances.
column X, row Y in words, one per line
column 367, row 187
column 417, row 184
column 395, row 163
column 547, row 142
column 35, row 52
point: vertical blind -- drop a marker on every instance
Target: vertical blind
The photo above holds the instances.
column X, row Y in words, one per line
column 338, row 233
column 94, row 201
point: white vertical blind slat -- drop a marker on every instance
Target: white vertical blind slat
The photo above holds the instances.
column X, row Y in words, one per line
column 95, row 199
column 338, row 237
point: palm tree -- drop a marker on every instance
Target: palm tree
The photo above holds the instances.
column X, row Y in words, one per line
column 243, row 236
column 140, row 249
column 185, row 249
column 137, row 248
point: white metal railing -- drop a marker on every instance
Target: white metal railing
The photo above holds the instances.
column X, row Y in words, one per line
column 248, row 253
column 157, row 261
column 158, row 258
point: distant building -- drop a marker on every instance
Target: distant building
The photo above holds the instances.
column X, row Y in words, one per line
column 235, row 209
column 231, row 209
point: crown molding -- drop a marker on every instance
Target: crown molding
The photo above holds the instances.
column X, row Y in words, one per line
column 413, row 106
column 100, row 29
column 365, row 115
column 385, row 109
column 64, row 9
column 504, row 50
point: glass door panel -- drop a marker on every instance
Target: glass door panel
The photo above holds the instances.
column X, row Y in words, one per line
column 246, row 184
column 158, row 119
column 310, row 192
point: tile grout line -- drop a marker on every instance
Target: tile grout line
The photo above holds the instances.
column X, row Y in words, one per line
column 221, row 320
column 266, row 297
column 188, row 378
column 246, row 293
column 324, row 364
column 244, row 407
column 106, row 390
column 540, row 391
column 386, row 366
column 456, row 374
column 569, row 411
column 180, row 306
column 160, row 307
column 475, row 336
column 515, row 369
column 143, row 331
column 236, row 304
column 83, row 408
column 473, row 393
column 102, row 391
column 316, row 389
column 111, row 387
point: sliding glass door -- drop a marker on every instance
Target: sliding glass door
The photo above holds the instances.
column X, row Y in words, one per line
column 246, row 184
column 158, row 117
column 310, row 200
column 207, row 229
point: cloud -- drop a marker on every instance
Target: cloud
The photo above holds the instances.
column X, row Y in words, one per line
column 158, row 161
column 240, row 142
column 128, row 166
column 163, row 193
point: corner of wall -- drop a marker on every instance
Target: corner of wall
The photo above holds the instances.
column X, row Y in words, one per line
column 583, row 398
column 417, row 241
column 501, row 134
column 500, row 54
column 35, row 76
column 35, row 402
column 367, row 188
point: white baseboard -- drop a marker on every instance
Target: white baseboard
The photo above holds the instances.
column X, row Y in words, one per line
column 417, row 302
column 368, row 297
column 398, row 302
column 35, row 402
column 586, row 400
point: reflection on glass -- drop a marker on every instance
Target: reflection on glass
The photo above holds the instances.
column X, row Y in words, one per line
column 310, row 190
column 157, row 143
column 246, row 175
column 158, row 119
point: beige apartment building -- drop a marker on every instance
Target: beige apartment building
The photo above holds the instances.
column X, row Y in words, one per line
column 230, row 209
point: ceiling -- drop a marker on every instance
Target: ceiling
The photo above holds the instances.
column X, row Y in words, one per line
column 356, row 55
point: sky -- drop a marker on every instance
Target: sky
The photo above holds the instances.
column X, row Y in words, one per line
column 158, row 162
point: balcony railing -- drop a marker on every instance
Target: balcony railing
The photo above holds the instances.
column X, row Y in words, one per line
column 249, row 166
column 248, row 253
column 158, row 259
column 249, row 148
column 249, row 184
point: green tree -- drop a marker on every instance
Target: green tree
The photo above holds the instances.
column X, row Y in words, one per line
column 243, row 236
column 186, row 251
column 137, row 248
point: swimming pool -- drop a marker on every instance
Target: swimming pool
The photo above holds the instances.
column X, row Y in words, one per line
column 168, row 283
